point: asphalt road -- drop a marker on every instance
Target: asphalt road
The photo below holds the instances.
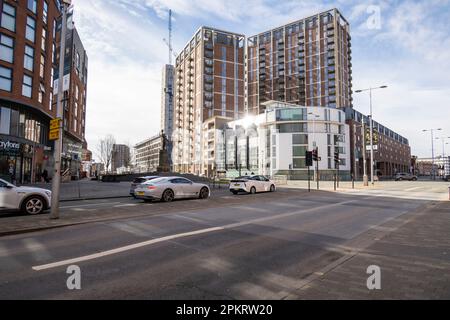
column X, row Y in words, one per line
column 264, row 246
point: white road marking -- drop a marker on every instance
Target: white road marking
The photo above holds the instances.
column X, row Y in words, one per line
column 126, row 205
column 178, row 236
column 90, row 205
column 411, row 189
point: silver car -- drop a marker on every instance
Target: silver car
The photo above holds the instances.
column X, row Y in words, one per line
column 138, row 181
column 167, row 189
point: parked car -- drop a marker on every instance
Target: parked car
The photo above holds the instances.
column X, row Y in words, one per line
column 252, row 184
column 136, row 182
column 26, row 199
column 405, row 176
column 168, row 189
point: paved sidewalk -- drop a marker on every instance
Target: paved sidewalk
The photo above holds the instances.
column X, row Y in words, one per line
column 414, row 260
column 87, row 189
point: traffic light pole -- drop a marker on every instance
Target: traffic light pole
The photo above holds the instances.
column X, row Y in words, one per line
column 309, row 179
column 365, row 178
column 317, row 168
column 56, row 180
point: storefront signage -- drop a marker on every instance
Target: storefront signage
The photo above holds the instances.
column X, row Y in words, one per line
column 9, row 145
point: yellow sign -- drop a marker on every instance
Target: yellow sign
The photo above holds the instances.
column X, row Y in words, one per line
column 54, row 134
column 55, row 124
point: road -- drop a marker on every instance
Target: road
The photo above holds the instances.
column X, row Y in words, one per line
column 285, row 245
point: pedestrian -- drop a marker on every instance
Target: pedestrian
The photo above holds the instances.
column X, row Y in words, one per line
column 45, row 176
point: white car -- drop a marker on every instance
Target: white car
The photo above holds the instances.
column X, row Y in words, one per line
column 252, row 184
column 26, row 199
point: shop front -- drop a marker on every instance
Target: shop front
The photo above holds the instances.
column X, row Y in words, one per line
column 21, row 162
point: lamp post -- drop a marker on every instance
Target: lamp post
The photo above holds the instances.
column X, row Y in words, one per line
column 56, row 180
column 371, row 129
column 433, row 175
column 444, row 142
column 314, row 117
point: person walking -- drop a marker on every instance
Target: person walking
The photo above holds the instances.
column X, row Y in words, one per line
column 45, row 176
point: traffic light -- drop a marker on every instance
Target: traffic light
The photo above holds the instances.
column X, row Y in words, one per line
column 309, row 159
column 336, row 157
column 315, row 154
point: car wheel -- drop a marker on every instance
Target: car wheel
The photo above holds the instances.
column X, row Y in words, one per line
column 272, row 188
column 168, row 196
column 400, row 179
column 414, row 179
column 252, row 190
column 234, row 192
column 33, row 205
column 204, row 193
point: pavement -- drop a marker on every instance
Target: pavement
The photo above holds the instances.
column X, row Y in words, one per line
column 285, row 245
column 89, row 189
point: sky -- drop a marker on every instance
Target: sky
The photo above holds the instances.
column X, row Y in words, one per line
column 402, row 44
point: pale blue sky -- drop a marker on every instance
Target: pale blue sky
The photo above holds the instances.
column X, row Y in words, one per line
column 409, row 51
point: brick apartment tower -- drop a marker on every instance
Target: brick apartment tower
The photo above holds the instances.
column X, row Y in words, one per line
column 209, row 81
column 307, row 62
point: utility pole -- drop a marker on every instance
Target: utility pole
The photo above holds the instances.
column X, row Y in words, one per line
column 433, row 174
column 56, row 180
column 365, row 178
column 372, row 162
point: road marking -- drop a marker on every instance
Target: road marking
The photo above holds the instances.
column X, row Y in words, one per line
column 411, row 189
column 180, row 235
column 91, row 204
column 126, row 205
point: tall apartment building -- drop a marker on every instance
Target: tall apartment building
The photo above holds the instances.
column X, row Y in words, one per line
column 27, row 46
column 120, row 157
column 167, row 98
column 75, row 93
column 209, row 82
column 307, row 62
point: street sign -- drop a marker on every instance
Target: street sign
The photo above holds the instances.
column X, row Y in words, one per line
column 55, row 123
column 53, row 134
column 375, row 148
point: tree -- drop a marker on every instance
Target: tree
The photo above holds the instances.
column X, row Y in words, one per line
column 105, row 150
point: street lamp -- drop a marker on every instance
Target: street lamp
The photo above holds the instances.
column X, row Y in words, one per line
column 443, row 139
column 56, row 180
column 433, row 176
column 315, row 116
column 371, row 129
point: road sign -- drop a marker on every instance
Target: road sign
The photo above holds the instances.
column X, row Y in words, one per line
column 55, row 124
column 53, row 134
column 375, row 148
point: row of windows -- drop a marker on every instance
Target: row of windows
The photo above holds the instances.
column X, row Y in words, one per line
column 15, row 123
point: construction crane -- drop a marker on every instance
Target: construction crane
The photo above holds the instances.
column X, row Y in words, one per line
column 169, row 42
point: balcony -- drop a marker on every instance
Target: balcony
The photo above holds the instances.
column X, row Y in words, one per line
column 330, row 26
column 208, row 46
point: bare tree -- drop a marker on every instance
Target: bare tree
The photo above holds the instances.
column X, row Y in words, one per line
column 105, row 150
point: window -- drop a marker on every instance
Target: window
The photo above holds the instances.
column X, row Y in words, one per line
column 9, row 17
column 292, row 127
column 31, row 5
column 6, row 48
column 5, row 78
column 299, row 163
column 5, row 120
column 41, row 93
column 299, row 139
column 45, row 13
column 44, row 39
column 30, row 31
column 42, row 66
column 27, row 86
column 298, row 151
column 28, row 61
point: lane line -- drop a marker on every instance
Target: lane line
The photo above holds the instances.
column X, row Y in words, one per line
column 91, row 204
column 178, row 236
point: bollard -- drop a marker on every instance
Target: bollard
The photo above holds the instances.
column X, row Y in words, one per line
column 448, row 193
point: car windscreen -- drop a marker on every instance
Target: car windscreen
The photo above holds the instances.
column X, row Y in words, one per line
column 156, row 181
column 139, row 180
